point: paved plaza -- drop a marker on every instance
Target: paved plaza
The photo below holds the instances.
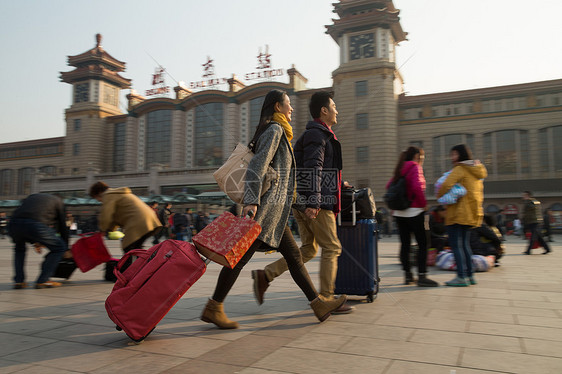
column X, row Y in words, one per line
column 511, row 322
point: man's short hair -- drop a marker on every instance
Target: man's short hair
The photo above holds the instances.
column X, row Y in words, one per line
column 528, row 193
column 318, row 101
column 98, row 188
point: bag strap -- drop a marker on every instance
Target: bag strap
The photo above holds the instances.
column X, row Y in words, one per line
column 140, row 253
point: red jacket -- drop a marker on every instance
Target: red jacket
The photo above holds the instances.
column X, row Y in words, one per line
column 415, row 183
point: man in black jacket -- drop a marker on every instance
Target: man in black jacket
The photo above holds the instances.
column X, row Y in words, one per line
column 319, row 163
column 38, row 220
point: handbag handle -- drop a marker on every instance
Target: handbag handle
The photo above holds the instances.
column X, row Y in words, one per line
column 140, row 253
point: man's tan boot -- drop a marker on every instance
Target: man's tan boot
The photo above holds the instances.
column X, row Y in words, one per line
column 323, row 308
column 214, row 313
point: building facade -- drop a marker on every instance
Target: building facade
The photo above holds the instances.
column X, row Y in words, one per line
column 170, row 146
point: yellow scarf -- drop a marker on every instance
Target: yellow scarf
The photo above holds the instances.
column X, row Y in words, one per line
column 282, row 120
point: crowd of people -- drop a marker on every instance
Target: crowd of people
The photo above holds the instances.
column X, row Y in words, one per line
column 313, row 203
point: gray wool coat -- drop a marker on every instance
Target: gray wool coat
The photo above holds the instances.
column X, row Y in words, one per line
column 274, row 206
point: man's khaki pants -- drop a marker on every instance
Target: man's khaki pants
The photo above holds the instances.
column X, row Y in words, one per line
column 314, row 232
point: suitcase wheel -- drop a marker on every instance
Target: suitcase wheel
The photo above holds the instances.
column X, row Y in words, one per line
column 370, row 297
column 118, row 328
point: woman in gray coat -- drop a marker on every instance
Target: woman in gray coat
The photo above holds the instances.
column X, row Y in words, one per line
column 272, row 146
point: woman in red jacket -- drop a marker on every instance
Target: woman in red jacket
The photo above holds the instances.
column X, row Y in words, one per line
column 412, row 219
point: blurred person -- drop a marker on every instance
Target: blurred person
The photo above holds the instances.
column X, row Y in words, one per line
column 120, row 207
column 271, row 146
column 487, row 240
column 466, row 213
column 437, row 229
column 180, row 226
column 412, row 219
column 163, row 215
column 532, row 218
column 3, row 224
column 40, row 220
column 547, row 219
column 317, row 155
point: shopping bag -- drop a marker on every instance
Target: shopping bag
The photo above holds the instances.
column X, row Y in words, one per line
column 89, row 251
column 227, row 239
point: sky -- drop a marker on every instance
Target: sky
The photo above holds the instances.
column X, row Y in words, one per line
column 452, row 45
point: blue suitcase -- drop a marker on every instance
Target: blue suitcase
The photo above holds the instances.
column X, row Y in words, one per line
column 358, row 267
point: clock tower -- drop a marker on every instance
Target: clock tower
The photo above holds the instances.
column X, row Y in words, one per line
column 367, row 84
column 96, row 85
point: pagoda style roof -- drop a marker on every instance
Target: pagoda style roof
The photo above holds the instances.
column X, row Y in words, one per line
column 364, row 14
column 96, row 63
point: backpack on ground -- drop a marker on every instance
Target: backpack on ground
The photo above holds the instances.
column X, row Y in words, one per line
column 395, row 196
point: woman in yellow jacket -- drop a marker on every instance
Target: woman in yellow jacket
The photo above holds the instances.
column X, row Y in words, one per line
column 466, row 213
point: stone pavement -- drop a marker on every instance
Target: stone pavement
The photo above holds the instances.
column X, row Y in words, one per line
column 511, row 322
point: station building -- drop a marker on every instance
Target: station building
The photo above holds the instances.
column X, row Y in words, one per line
column 171, row 146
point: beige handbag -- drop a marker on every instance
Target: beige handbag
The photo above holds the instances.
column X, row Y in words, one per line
column 231, row 176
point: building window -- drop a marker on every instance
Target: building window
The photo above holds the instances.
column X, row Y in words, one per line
column 81, row 92
column 362, row 154
column 77, row 124
column 6, row 182
column 158, row 137
column 543, row 150
column 119, row 147
column 362, row 121
column 209, row 135
column 25, row 177
column 76, row 149
column 49, row 171
column 506, row 152
column 361, row 88
column 255, row 112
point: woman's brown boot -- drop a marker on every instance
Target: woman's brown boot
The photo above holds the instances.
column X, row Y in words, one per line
column 214, row 313
column 323, row 308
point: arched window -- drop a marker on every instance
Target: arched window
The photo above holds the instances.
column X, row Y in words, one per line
column 25, row 178
column 441, row 147
column 208, row 140
column 506, row 152
column 158, row 137
column 6, row 182
column 550, row 152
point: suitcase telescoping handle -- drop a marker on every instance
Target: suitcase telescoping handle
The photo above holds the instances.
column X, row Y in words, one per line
column 140, row 253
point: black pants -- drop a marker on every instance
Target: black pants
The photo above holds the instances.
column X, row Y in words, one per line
column 289, row 249
column 533, row 228
column 407, row 226
column 135, row 245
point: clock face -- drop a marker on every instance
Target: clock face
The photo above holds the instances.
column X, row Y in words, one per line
column 81, row 92
column 362, row 46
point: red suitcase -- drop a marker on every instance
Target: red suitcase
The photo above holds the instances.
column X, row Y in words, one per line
column 89, row 251
column 152, row 285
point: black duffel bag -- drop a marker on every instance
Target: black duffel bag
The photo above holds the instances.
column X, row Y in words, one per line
column 365, row 207
column 65, row 268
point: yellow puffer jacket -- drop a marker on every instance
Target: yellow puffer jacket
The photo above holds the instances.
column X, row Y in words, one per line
column 468, row 209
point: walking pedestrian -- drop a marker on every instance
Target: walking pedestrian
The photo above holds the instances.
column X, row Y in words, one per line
column 319, row 162
column 271, row 145
column 120, row 207
column 412, row 219
column 163, row 215
column 547, row 225
column 466, row 213
column 532, row 218
column 3, row 224
column 40, row 220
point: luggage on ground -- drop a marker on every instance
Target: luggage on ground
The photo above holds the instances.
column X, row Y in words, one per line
column 358, row 272
column 65, row 268
column 364, row 204
column 152, row 285
column 89, row 251
column 109, row 270
column 227, row 239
